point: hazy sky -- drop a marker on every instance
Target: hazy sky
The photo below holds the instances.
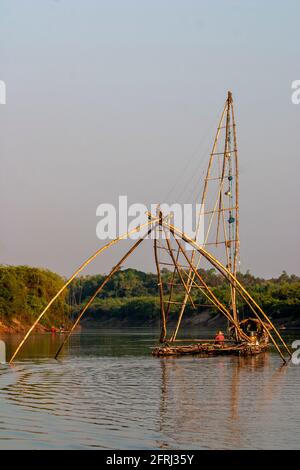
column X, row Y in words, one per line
column 107, row 98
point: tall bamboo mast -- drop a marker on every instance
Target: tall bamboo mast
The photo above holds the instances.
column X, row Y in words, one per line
column 223, row 210
column 237, row 220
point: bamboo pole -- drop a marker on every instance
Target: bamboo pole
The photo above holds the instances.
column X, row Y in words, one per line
column 224, row 161
column 178, row 268
column 213, row 298
column 163, row 332
column 261, row 322
column 236, row 203
column 191, row 273
column 241, row 333
column 83, row 265
column 230, row 277
column 172, row 284
column 105, row 281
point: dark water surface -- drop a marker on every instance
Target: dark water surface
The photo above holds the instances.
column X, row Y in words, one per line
column 107, row 391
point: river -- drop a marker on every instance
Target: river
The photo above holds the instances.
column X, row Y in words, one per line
column 108, row 392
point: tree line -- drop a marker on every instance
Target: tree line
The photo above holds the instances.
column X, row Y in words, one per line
column 131, row 296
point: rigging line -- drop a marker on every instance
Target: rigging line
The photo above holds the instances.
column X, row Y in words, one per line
column 192, row 158
column 197, row 171
column 197, row 174
column 182, row 175
column 198, row 196
column 198, row 182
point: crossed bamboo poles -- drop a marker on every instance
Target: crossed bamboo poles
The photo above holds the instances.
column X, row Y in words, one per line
column 83, row 265
column 255, row 308
column 151, row 224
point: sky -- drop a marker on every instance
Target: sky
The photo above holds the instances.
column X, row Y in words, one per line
column 122, row 97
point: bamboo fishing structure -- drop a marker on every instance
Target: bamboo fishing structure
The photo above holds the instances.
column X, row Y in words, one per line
column 222, row 234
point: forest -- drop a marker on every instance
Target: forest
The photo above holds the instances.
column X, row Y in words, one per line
column 130, row 297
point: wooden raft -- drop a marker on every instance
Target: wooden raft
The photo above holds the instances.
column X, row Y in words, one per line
column 207, row 349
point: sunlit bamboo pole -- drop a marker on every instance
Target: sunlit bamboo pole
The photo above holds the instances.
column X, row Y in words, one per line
column 233, row 321
column 224, row 161
column 103, row 284
column 178, row 268
column 163, row 332
column 211, row 296
column 172, row 282
column 191, row 273
column 236, row 203
column 260, row 321
column 86, row 263
column 231, row 278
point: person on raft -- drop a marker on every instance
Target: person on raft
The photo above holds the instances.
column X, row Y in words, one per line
column 220, row 338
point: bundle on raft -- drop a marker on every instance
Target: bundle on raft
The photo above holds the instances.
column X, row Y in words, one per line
column 210, row 349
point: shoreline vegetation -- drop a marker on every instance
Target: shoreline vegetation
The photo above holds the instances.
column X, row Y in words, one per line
column 130, row 299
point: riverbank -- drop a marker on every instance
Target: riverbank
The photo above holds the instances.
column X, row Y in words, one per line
column 203, row 319
column 18, row 327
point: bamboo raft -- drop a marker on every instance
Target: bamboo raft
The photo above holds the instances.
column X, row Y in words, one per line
column 258, row 342
column 209, row 349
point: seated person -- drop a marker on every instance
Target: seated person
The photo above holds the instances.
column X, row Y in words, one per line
column 219, row 338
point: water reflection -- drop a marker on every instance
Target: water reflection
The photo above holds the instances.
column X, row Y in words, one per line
column 108, row 392
column 214, row 403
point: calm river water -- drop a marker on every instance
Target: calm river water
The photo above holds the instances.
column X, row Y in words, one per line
column 108, row 392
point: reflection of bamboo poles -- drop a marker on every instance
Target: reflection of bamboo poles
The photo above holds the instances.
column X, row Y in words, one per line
column 86, row 263
column 105, row 281
column 233, row 281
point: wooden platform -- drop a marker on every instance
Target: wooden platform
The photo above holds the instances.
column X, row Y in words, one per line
column 209, row 349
